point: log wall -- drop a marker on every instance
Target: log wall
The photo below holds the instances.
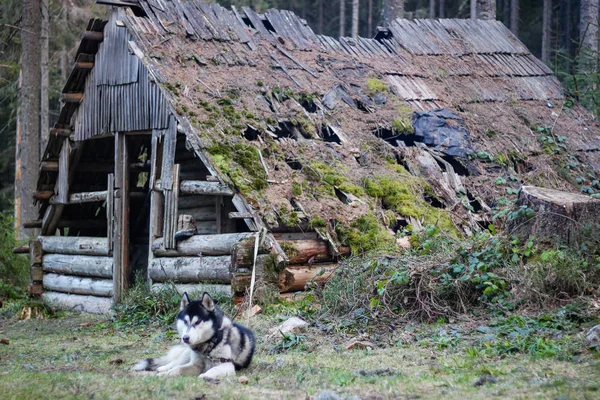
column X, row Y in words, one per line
column 191, row 269
column 75, row 302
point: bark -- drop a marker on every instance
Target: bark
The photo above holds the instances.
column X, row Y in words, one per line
column 321, row 17
column 28, row 133
column 514, row 17
column 431, row 9
column 210, row 245
column 76, row 245
column 78, row 285
column 45, row 71
column 546, row 30
column 191, row 269
column 355, row 20
column 96, row 266
column 561, row 218
column 75, row 302
column 342, row 17
column 205, row 188
column 392, row 9
column 442, row 13
column 588, row 30
column 486, row 9
column 370, row 18
column 296, row 278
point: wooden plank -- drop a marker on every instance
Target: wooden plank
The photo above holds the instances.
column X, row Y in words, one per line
column 71, row 97
column 200, row 213
column 240, row 215
column 62, row 183
column 77, row 245
column 110, row 212
column 205, row 188
column 195, row 290
column 208, row 245
column 78, row 285
column 35, row 252
column 75, row 302
column 36, row 273
column 97, row 266
column 85, row 197
column 121, row 236
column 191, row 269
column 170, row 210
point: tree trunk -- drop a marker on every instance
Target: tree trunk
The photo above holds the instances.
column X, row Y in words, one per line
column 28, row 133
column 431, row 9
column 546, row 30
column 588, row 28
column 392, row 9
column 442, row 12
column 473, row 9
column 486, row 9
column 320, row 17
column 45, row 71
column 355, row 6
column 514, row 17
column 370, row 19
column 342, row 17
column 507, row 12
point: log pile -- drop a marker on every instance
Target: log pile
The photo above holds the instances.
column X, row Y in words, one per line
column 76, row 272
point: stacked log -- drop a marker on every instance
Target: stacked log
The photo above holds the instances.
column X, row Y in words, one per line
column 311, row 262
column 199, row 263
column 76, row 272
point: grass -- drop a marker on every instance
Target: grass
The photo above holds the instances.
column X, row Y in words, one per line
column 82, row 356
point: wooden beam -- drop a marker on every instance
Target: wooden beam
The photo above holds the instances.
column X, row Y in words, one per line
column 98, row 266
column 78, row 285
column 77, row 302
column 92, row 35
column 110, row 212
column 83, row 65
column 49, row 166
column 62, row 183
column 37, row 223
column 209, row 245
column 240, row 215
column 191, row 269
column 60, row 132
column 23, row 249
column 71, row 97
column 121, row 212
column 205, row 188
column 76, row 245
column 43, row 195
column 85, row 197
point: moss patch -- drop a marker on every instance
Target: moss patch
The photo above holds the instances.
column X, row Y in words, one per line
column 376, row 86
column 365, row 234
column 330, row 176
column 241, row 163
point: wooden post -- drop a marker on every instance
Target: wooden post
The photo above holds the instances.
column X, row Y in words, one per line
column 110, row 211
column 156, row 199
column 35, row 268
column 170, row 209
column 121, row 212
column 62, row 184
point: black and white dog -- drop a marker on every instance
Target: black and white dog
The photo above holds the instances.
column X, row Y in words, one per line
column 213, row 346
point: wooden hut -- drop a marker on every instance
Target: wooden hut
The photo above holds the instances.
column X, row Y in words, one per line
column 268, row 136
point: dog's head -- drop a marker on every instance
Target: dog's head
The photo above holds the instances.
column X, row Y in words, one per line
column 197, row 322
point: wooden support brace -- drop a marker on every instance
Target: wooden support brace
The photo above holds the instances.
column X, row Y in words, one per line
column 92, row 35
column 71, row 97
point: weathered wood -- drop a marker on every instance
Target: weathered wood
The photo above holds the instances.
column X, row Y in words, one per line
column 62, row 182
column 85, row 197
column 78, row 285
column 201, row 213
column 156, row 197
column 240, row 215
column 35, row 252
column 60, row 132
column 242, row 253
column 51, row 218
column 191, row 269
column 83, row 65
column 92, row 35
column 75, row 302
column 240, row 282
column 208, row 245
column 37, row 223
column 76, row 245
column 42, row 195
column 170, row 209
column 205, row 188
column 295, row 278
column 560, row 217
column 71, row 97
column 301, row 251
column 121, row 212
column 195, row 290
column 23, row 249
column 36, row 273
column 35, row 289
column 110, row 212
column 94, row 266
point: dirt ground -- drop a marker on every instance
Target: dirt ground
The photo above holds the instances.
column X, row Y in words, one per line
column 85, row 357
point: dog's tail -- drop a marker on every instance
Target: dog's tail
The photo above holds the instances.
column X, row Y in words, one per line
column 149, row 364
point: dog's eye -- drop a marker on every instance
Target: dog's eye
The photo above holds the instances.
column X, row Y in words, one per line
column 197, row 323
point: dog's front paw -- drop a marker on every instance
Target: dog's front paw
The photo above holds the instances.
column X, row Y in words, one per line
column 210, row 379
column 171, row 372
column 162, row 369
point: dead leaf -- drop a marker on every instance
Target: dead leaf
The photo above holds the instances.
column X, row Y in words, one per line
column 359, row 344
column 5, row 341
column 117, row 361
column 253, row 311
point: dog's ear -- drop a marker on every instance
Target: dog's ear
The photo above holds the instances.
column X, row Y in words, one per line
column 185, row 300
column 208, row 302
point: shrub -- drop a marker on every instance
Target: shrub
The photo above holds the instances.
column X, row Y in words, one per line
column 13, row 267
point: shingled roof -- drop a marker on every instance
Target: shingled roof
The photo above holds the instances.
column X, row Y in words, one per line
column 314, row 109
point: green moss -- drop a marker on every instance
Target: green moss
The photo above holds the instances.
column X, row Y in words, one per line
column 296, row 188
column 172, row 88
column 376, row 86
column 365, row 234
column 260, row 84
column 406, row 198
column 288, row 217
column 241, row 163
column 317, row 222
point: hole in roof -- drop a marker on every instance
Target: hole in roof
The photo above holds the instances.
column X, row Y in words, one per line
column 329, row 135
column 268, row 25
column 474, row 202
column 294, row 164
column 396, row 139
column 288, row 129
column 138, row 12
column 249, row 23
column 251, row 133
column 308, row 104
column 459, row 168
column 399, row 225
column 433, row 201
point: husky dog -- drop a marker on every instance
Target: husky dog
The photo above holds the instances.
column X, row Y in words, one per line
column 213, row 346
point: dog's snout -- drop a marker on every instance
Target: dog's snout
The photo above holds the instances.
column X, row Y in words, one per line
column 186, row 339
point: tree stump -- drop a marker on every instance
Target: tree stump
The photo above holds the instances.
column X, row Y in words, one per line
column 560, row 217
